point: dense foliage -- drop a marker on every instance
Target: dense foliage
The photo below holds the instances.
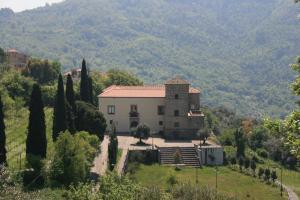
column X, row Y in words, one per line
column 112, row 149
column 142, row 131
column 72, row 159
column 89, row 119
column 59, row 115
column 2, row 136
column 36, row 143
column 15, row 88
column 70, row 104
column 115, row 187
column 42, row 71
column 236, row 51
column 86, row 85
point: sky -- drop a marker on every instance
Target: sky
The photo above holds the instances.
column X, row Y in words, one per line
column 20, row 5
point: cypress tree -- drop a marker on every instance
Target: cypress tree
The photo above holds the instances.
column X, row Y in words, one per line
column 91, row 90
column 2, row 136
column 112, row 148
column 59, row 115
column 70, row 92
column 71, row 107
column 36, row 143
column 84, row 83
column 240, row 141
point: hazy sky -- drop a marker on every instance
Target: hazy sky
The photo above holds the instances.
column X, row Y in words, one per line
column 19, row 5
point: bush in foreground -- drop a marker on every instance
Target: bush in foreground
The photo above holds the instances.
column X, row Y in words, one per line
column 114, row 187
column 72, row 159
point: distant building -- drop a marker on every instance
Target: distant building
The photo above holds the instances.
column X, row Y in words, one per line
column 75, row 73
column 17, row 59
column 172, row 109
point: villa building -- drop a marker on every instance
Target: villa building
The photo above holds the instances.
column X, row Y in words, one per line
column 172, row 109
column 17, row 59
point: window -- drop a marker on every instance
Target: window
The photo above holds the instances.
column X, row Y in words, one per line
column 111, row 121
column 176, row 124
column 160, row 110
column 176, row 96
column 176, row 113
column 161, row 123
column 133, row 108
column 111, row 110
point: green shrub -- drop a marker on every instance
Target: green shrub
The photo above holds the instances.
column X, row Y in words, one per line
column 227, row 138
column 89, row 119
column 72, row 159
column 262, row 153
column 172, row 180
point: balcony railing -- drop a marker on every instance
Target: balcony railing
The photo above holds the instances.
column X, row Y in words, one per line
column 133, row 114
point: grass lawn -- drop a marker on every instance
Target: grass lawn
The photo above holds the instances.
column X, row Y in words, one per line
column 16, row 132
column 119, row 154
column 230, row 182
column 291, row 178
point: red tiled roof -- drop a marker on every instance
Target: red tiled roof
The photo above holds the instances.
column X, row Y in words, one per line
column 155, row 91
column 12, row 50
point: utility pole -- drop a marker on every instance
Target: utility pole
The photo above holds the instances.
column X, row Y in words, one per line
column 216, row 178
column 197, row 181
column 281, row 187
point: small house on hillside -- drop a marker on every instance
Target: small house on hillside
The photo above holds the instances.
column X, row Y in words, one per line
column 17, row 59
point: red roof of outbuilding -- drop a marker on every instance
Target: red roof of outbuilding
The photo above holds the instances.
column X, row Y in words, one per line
column 155, row 91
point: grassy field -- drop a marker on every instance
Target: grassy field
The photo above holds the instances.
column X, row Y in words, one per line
column 291, row 178
column 119, row 154
column 16, row 131
column 230, row 182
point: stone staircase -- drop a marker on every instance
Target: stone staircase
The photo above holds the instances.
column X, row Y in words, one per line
column 188, row 156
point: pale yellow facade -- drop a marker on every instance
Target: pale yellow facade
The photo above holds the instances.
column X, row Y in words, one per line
column 147, row 108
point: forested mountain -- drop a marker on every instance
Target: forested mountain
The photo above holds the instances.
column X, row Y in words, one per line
column 237, row 51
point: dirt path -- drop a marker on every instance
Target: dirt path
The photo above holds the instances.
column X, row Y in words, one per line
column 100, row 162
column 120, row 165
column 292, row 195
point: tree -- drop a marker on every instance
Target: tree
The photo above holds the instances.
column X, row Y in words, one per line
column 142, row 132
column 2, row 56
column 91, row 95
column 274, row 176
column 253, row 166
column 267, row 174
column 233, row 161
column 70, row 105
column 59, row 115
column 84, row 83
column 247, row 163
column 70, row 95
column 241, row 163
column 119, row 77
column 240, row 142
column 42, row 71
column 177, row 158
column 36, row 143
column 71, row 160
column 204, row 135
column 261, row 172
column 112, row 148
column 2, row 136
column 89, row 119
column 70, row 117
column 292, row 135
column 257, row 137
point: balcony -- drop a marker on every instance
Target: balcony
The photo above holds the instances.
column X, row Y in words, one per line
column 133, row 114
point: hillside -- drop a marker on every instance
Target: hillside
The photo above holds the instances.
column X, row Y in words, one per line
column 238, row 52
